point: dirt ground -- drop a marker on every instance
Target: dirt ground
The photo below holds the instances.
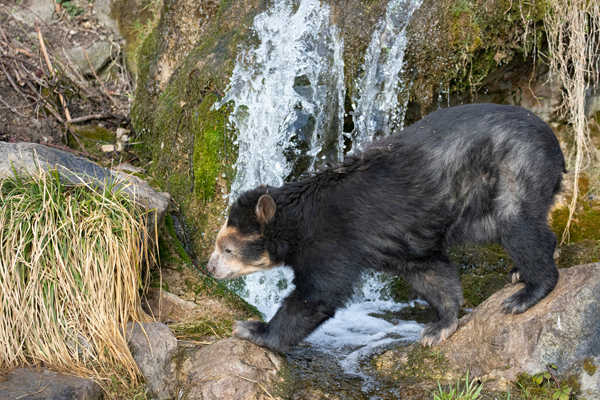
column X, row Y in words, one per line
column 31, row 108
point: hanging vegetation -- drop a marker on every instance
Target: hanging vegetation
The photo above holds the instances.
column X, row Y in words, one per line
column 573, row 32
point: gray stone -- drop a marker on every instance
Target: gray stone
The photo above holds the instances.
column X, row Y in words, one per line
column 592, row 104
column 153, row 347
column 232, row 369
column 29, row 10
column 43, row 384
column 28, row 158
column 103, row 12
column 99, row 54
column 562, row 329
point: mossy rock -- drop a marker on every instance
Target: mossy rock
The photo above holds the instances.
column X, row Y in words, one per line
column 412, row 363
column 455, row 44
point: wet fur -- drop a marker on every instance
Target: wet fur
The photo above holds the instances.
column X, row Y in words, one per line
column 471, row 174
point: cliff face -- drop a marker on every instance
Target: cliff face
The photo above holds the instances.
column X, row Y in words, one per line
column 186, row 62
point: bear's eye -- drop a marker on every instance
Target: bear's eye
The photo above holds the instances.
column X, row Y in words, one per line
column 227, row 250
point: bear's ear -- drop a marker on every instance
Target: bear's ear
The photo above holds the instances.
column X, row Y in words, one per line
column 265, row 209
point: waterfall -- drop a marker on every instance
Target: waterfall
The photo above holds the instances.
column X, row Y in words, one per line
column 380, row 100
column 287, row 95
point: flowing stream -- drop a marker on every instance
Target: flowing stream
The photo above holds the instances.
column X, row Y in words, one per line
column 288, row 107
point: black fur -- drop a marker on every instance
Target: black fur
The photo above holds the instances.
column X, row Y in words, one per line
column 475, row 173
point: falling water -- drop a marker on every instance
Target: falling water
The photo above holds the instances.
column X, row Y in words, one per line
column 381, row 99
column 287, row 95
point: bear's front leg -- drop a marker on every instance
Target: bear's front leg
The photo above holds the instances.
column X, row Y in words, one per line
column 298, row 316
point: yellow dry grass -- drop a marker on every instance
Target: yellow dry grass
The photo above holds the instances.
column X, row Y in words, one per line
column 71, row 260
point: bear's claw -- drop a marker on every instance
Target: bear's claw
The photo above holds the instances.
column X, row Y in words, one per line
column 437, row 332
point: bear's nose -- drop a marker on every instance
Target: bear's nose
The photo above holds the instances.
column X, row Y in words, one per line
column 212, row 264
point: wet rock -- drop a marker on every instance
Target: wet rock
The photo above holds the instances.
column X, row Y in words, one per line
column 232, row 369
column 98, row 53
column 27, row 158
column 153, row 347
column 43, row 384
column 562, row 329
column 29, row 10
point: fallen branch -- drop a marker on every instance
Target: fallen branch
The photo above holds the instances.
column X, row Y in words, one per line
column 89, row 117
column 12, row 83
column 60, row 95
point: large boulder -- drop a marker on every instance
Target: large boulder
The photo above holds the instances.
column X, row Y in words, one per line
column 562, row 329
column 154, row 347
column 226, row 369
column 232, row 369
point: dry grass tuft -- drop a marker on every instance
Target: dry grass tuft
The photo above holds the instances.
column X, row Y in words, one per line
column 71, row 259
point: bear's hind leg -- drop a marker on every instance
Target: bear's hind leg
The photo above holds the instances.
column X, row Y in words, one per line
column 438, row 283
column 531, row 246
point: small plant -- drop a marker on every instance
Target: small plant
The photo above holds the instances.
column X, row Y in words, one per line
column 547, row 377
column 71, row 8
column 470, row 391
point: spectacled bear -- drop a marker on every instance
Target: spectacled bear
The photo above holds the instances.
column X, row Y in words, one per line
column 476, row 173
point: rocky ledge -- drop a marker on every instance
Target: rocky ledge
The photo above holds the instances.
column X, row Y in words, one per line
column 492, row 346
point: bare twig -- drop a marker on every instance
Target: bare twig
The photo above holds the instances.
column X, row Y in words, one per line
column 99, row 80
column 258, row 383
column 13, row 109
column 31, row 394
column 60, row 95
column 89, row 117
column 553, row 377
column 21, row 60
column 12, row 83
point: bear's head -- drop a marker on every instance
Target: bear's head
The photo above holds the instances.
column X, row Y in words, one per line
column 240, row 245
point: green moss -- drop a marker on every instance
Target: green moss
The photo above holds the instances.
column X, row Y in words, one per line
column 202, row 328
column 91, row 137
column 478, row 288
column 583, row 252
column 471, row 39
column 400, row 290
column 589, row 367
column 423, row 363
column 586, row 223
column 178, row 246
column 209, row 147
column 484, row 271
column 94, row 132
column 480, row 259
column 164, row 253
